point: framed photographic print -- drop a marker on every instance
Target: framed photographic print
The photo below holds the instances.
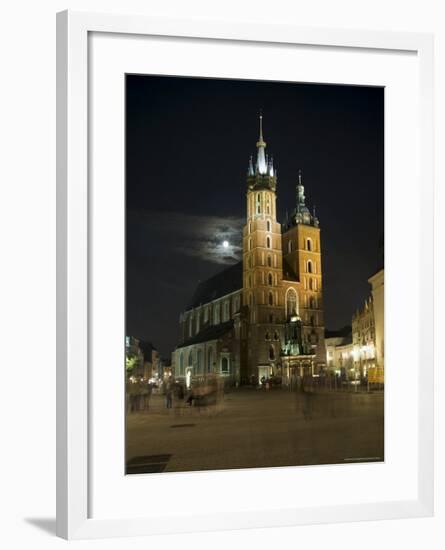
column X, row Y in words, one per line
column 244, row 271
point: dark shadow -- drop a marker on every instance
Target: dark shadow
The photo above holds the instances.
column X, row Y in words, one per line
column 45, row 524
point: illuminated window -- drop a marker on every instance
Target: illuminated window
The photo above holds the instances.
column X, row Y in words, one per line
column 210, row 360
column 225, row 365
column 291, row 302
column 181, row 364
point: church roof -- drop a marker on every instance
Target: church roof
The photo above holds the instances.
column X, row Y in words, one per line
column 225, row 282
column 212, row 332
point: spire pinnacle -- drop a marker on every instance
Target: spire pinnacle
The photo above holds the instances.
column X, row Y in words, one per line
column 261, row 142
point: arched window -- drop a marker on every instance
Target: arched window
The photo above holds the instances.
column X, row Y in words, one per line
column 270, row 279
column 269, row 260
column 199, row 362
column 268, row 225
column 289, row 247
column 309, row 244
column 210, row 360
column 181, row 363
column 225, row 365
column 268, row 242
column 270, row 299
column 309, row 266
column 291, row 303
column 272, row 353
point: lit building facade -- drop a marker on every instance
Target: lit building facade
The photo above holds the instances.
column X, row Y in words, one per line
column 262, row 317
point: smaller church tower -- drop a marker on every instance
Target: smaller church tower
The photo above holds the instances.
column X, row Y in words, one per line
column 302, row 252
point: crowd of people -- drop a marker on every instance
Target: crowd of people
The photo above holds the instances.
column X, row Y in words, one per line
column 139, row 393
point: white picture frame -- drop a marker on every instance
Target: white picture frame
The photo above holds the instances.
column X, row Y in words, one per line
column 74, row 518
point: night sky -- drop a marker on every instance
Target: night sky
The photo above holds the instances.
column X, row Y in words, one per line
column 188, row 143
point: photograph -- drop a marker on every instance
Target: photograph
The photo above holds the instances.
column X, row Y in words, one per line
column 254, row 276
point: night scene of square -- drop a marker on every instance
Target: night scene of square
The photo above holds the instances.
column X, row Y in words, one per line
column 254, row 274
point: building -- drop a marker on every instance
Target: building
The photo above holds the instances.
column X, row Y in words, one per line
column 363, row 338
column 339, row 353
column 378, row 292
column 262, row 317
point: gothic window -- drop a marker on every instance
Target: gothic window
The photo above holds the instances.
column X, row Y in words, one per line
column 309, row 244
column 270, row 299
column 269, row 260
column 226, row 310
column 210, row 360
column 291, row 303
column 268, row 225
column 309, row 267
column 271, row 353
column 270, row 279
column 225, row 365
column 268, row 242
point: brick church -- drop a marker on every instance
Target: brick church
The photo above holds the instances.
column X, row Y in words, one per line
column 262, row 317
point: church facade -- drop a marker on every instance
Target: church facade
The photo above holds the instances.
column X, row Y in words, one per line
column 263, row 317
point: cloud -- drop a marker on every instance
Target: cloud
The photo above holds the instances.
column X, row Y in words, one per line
column 190, row 235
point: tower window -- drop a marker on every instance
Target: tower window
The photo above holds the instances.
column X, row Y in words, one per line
column 311, row 284
column 268, row 242
column 270, row 279
column 271, row 353
column 270, row 299
column 309, row 244
column 291, row 302
column 268, row 225
column 309, row 267
column 269, row 261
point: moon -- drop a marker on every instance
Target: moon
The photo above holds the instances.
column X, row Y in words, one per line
column 225, row 244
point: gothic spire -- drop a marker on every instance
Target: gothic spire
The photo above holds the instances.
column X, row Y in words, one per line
column 261, row 164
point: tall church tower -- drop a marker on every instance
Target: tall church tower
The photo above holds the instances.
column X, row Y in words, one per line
column 262, row 265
